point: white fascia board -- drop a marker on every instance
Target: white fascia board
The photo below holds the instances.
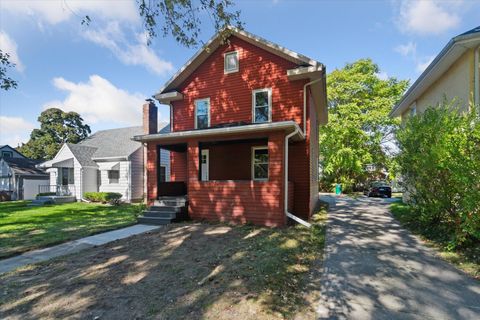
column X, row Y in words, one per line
column 289, row 126
column 312, row 72
column 449, row 54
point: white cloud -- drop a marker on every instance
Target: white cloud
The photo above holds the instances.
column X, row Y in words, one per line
column 14, row 130
column 428, row 16
column 408, row 49
column 423, row 63
column 382, row 75
column 56, row 11
column 9, row 46
column 137, row 53
column 98, row 101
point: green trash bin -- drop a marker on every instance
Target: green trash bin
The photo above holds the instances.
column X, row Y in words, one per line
column 338, row 189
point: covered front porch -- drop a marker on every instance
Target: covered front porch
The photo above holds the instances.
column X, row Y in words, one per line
column 238, row 178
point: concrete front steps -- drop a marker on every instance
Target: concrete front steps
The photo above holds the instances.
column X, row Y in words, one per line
column 165, row 210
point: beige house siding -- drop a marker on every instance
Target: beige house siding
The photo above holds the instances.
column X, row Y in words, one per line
column 457, row 82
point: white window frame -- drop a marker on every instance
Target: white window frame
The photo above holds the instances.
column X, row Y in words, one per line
column 195, row 107
column 269, row 90
column 253, row 163
column 225, row 61
column 112, row 179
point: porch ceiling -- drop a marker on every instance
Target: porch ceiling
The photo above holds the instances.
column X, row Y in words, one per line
column 179, row 136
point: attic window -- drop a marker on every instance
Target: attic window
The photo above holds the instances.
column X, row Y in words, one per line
column 231, row 62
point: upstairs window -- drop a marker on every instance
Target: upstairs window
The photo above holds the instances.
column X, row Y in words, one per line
column 202, row 113
column 231, row 62
column 262, row 105
column 260, row 163
column 7, row 154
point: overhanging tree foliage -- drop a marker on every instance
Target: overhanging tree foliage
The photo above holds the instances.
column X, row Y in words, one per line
column 56, row 128
column 6, row 82
column 359, row 130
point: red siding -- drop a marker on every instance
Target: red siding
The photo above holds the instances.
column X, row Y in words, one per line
column 151, row 172
column 231, row 94
column 239, row 201
column 231, row 101
column 178, row 166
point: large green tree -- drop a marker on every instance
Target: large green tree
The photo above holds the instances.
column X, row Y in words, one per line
column 359, row 129
column 56, row 128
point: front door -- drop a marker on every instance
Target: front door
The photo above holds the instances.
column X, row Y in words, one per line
column 205, row 163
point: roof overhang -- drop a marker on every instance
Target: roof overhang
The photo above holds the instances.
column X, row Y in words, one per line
column 455, row 48
column 105, row 166
column 179, row 136
column 169, row 91
column 66, row 163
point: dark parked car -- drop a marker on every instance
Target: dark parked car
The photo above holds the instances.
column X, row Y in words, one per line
column 378, row 189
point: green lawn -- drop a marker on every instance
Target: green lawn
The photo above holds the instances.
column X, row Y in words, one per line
column 23, row 228
column 467, row 258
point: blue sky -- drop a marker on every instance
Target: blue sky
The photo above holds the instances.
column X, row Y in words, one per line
column 106, row 70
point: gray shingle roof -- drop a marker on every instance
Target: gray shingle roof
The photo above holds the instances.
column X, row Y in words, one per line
column 83, row 154
column 474, row 30
column 24, row 166
column 115, row 142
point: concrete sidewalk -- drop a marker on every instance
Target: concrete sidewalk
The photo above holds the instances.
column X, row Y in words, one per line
column 375, row 269
column 71, row 247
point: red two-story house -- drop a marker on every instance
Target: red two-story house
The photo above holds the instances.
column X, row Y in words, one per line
column 245, row 115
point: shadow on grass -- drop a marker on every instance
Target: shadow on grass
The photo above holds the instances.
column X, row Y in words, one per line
column 187, row 270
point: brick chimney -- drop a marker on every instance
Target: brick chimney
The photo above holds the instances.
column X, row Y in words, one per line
column 150, row 117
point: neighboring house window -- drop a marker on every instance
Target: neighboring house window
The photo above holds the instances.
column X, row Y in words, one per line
column 231, row 62
column 162, row 174
column 113, row 176
column 260, row 163
column 202, row 113
column 413, row 109
column 67, row 176
column 7, row 154
column 262, row 105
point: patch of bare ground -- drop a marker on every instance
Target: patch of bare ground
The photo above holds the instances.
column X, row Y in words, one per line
column 182, row 271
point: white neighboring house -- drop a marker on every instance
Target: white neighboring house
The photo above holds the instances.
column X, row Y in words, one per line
column 107, row 161
column 19, row 177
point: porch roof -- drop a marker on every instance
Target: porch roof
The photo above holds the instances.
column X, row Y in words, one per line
column 287, row 126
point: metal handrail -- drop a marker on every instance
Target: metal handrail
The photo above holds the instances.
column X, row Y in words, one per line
column 58, row 190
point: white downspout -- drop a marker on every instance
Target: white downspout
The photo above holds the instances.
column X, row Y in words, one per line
column 288, row 214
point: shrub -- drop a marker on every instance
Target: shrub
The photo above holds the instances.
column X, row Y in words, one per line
column 42, row 194
column 439, row 163
column 103, row 197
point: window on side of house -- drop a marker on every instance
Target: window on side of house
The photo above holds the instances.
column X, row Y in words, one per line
column 262, row 105
column 260, row 163
column 202, row 113
column 113, row 176
column 7, row 154
column 231, row 62
column 67, row 176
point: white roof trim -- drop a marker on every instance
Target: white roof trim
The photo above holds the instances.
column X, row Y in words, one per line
column 455, row 48
column 288, row 126
column 213, row 44
column 105, row 166
column 169, row 96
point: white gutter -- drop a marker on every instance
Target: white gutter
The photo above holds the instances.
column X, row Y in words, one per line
column 305, row 103
column 263, row 127
column 285, row 203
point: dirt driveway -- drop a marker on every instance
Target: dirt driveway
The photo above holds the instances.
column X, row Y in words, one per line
column 374, row 269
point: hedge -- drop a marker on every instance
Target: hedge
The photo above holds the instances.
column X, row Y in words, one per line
column 103, row 197
column 439, row 163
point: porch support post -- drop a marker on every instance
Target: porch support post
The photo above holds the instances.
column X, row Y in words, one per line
column 151, row 168
column 276, row 169
column 193, row 165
